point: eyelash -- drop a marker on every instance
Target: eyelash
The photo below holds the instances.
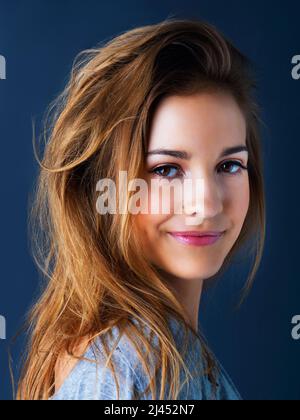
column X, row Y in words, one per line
column 233, row 162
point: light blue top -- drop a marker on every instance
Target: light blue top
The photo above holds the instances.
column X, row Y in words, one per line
column 91, row 381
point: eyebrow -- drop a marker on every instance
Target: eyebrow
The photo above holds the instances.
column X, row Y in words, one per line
column 180, row 154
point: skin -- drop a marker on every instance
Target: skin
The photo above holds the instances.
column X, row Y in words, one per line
column 202, row 125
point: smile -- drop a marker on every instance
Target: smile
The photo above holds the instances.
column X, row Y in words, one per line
column 196, row 239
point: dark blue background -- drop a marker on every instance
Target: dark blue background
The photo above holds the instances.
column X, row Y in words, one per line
column 40, row 39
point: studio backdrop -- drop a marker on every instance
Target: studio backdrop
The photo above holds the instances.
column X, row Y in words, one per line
column 259, row 341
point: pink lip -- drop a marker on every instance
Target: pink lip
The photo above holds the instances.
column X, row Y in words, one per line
column 197, row 238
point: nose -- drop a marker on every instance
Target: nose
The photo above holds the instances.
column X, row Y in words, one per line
column 203, row 198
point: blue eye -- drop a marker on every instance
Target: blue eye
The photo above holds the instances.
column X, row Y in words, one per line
column 166, row 171
column 232, row 167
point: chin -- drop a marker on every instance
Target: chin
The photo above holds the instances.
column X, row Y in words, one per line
column 196, row 273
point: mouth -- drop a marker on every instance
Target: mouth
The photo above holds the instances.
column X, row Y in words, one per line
column 195, row 238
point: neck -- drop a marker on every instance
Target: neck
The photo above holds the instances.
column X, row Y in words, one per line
column 188, row 292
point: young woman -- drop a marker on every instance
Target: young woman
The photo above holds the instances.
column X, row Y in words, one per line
column 118, row 317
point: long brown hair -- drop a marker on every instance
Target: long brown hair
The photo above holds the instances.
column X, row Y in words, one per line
column 96, row 273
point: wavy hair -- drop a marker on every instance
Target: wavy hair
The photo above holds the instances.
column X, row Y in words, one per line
column 96, row 274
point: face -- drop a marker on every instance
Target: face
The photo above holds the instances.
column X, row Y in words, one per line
column 209, row 131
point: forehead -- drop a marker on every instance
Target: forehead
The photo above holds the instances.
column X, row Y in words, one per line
column 210, row 119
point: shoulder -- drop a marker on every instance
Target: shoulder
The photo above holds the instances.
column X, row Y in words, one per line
column 90, row 378
column 226, row 389
column 65, row 363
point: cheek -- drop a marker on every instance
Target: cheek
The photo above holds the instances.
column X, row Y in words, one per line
column 238, row 202
column 158, row 208
column 162, row 199
column 147, row 228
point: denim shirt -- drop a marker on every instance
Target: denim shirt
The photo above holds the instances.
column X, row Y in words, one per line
column 94, row 381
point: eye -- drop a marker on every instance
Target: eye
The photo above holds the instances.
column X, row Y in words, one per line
column 232, row 167
column 167, row 171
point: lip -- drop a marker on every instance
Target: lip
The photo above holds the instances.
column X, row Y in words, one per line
column 197, row 238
